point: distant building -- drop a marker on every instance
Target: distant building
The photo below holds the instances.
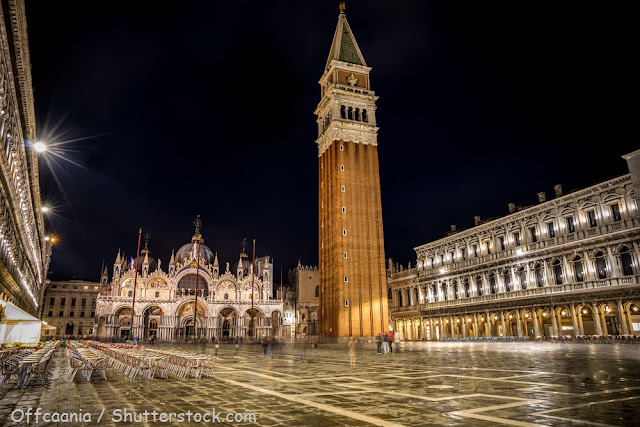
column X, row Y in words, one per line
column 165, row 300
column 287, row 294
column 305, row 282
column 566, row 266
column 24, row 248
column 70, row 307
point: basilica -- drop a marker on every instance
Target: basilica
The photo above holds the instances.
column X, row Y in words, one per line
column 225, row 302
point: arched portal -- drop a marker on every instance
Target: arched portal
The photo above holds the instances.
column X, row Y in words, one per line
column 152, row 317
column 227, row 320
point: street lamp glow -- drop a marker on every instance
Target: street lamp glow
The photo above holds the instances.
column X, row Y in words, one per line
column 47, row 238
column 40, row 147
column 44, row 209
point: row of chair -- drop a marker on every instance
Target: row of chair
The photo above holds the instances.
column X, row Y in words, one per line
column 11, row 363
column 79, row 363
column 594, row 339
column 137, row 363
column 481, row 339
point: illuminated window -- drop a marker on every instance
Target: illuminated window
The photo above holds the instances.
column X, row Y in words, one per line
column 625, row 261
column 615, row 212
column 601, row 265
column 343, row 188
column 578, row 270
column 557, row 271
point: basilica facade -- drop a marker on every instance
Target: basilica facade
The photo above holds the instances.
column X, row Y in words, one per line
column 193, row 297
column 567, row 266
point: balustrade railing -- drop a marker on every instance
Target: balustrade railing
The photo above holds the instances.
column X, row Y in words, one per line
column 522, row 293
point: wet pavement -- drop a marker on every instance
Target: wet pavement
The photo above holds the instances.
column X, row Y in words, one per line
column 457, row 384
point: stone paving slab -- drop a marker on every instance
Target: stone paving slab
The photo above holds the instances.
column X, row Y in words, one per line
column 454, row 384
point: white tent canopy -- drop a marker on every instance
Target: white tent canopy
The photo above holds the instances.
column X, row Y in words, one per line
column 18, row 326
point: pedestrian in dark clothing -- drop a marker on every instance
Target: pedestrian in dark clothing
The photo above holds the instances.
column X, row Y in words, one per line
column 379, row 343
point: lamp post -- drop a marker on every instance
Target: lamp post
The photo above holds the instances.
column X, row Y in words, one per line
column 197, row 223
column 135, row 282
column 253, row 278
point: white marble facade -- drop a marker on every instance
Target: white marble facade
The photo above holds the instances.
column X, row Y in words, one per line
column 164, row 300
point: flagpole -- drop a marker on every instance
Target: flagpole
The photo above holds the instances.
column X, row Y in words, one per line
column 135, row 282
column 197, row 223
column 253, row 278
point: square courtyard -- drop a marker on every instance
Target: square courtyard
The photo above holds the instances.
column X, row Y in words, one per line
column 431, row 383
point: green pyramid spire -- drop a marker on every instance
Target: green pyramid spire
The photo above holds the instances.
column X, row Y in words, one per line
column 344, row 46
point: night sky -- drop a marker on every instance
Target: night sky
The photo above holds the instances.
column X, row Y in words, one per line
column 182, row 108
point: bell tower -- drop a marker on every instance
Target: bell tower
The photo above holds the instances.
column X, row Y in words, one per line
column 353, row 283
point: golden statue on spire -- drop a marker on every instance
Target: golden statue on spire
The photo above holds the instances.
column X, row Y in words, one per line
column 342, row 6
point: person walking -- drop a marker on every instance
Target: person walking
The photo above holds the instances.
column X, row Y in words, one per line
column 237, row 345
column 378, row 344
column 264, row 346
column 216, row 345
column 390, row 342
column 352, row 351
column 385, row 343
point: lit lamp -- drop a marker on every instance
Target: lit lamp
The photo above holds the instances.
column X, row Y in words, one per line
column 40, row 147
column 44, row 209
column 469, row 319
column 544, row 314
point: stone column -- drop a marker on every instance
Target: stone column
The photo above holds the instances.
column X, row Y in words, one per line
column 554, row 321
column 580, row 324
column 612, row 263
column 547, row 276
column 588, row 273
column 568, row 274
column 503, row 320
column 596, row 319
column 574, row 320
column 519, row 323
column 622, row 318
column 536, row 325
column 636, row 249
column 475, row 326
column 488, row 325
column 560, row 331
column 452, row 326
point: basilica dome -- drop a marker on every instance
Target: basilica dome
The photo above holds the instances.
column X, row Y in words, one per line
column 185, row 250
